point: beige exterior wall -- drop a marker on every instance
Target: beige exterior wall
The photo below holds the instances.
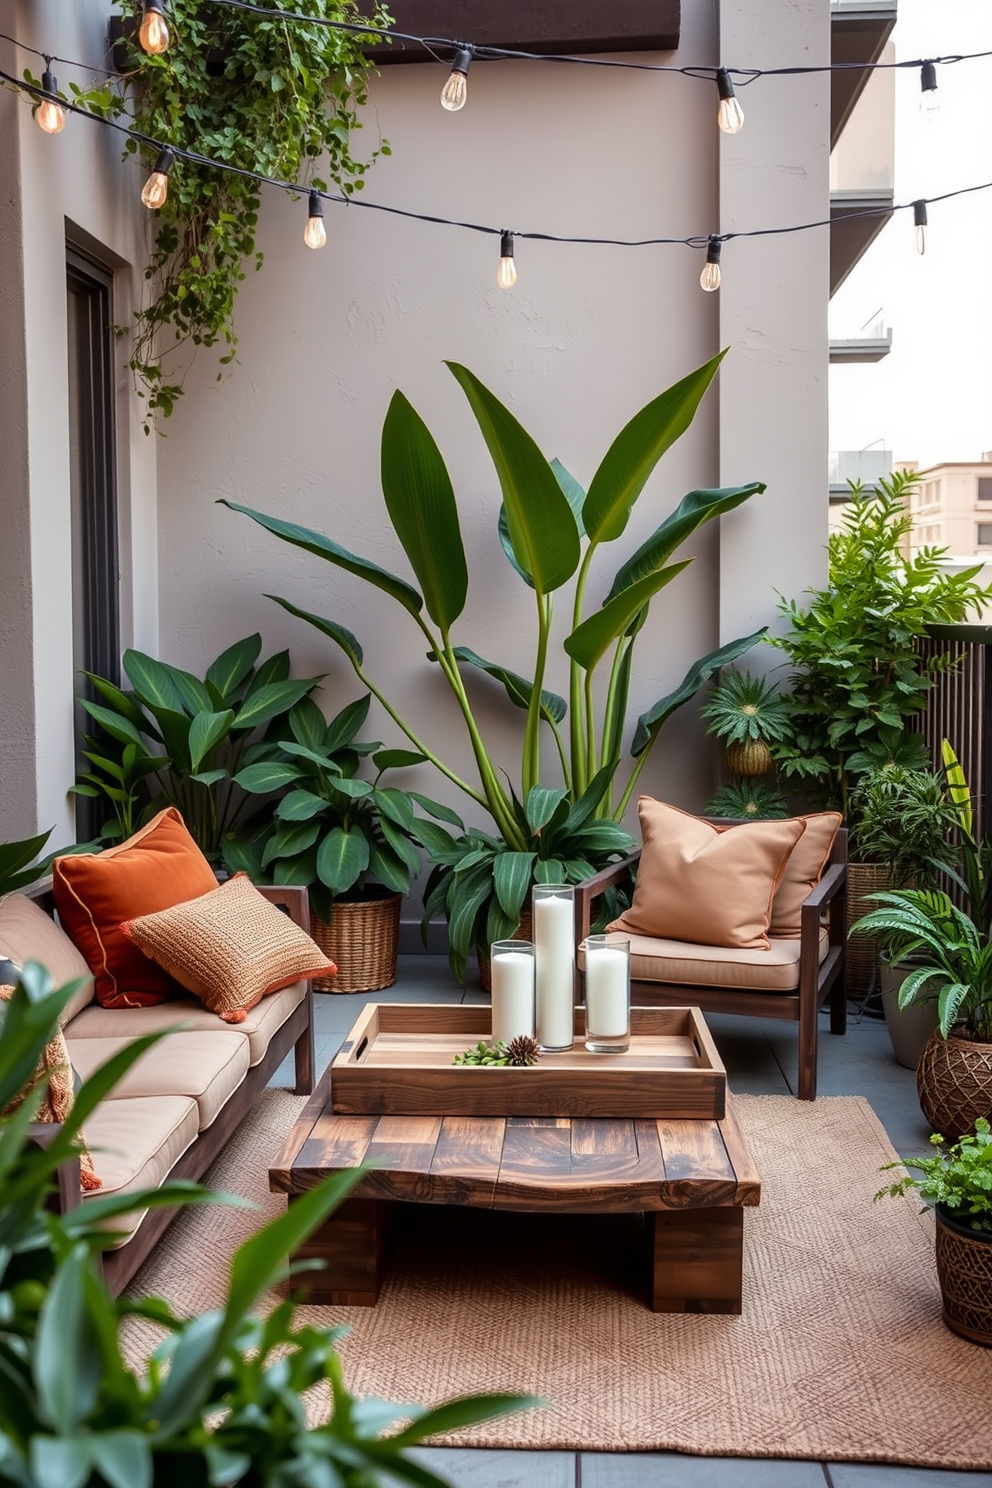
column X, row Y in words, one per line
column 586, row 338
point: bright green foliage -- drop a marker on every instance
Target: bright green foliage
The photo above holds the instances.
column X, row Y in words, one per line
column 172, row 739
column 221, row 1400
column 904, row 821
column 857, row 677
column 959, row 1178
column 330, row 829
column 253, row 92
column 950, row 948
column 747, row 800
column 746, row 707
column 551, row 532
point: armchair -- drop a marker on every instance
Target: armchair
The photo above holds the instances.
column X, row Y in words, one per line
column 804, row 976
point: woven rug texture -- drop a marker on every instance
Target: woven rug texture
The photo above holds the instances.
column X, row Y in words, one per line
column 840, row 1353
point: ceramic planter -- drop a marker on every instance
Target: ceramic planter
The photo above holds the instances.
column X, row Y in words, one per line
column 910, row 1028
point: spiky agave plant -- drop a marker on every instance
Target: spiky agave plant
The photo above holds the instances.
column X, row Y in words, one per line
column 748, row 800
column 748, row 714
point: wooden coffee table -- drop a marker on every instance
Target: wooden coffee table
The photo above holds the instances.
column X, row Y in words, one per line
column 691, row 1178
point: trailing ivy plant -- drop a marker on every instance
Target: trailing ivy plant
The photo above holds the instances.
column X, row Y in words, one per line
column 263, row 95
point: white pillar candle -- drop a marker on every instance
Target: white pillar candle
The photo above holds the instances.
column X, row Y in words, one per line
column 554, row 942
column 607, row 992
column 513, row 995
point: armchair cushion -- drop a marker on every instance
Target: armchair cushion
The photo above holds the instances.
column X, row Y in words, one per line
column 679, row 963
column 696, row 883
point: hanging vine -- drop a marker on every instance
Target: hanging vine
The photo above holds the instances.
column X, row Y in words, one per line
column 254, row 92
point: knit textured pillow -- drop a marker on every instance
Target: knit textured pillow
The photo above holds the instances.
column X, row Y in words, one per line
column 230, row 947
column 56, row 1103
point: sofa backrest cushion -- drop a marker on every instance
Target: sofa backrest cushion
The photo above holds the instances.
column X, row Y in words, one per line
column 27, row 933
column 158, row 867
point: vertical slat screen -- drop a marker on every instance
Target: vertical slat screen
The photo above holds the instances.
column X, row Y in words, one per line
column 958, row 707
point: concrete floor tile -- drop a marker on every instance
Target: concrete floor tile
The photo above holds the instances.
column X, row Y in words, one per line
column 470, row 1468
column 673, row 1470
column 879, row 1475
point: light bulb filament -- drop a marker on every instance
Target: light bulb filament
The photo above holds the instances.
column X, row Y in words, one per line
column 50, row 115
column 455, row 91
column 154, row 31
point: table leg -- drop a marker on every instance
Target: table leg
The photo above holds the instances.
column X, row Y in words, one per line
column 696, row 1259
column 352, row 1245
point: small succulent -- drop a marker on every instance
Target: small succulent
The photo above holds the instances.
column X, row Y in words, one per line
column 744, row 799
column 486, row 1051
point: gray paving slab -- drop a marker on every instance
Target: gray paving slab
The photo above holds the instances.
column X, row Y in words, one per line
column 879, row 1475
column 469, row 1468
column 674, row 1470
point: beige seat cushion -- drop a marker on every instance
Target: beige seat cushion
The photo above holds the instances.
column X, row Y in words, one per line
column 207, row 1069
column 27, row 933
column 679, row 961
column 136, row 1143
column 803, row 871
column 259, row 1025
column 696, row 883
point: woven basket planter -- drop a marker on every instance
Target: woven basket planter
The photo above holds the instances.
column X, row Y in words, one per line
column 522, row 932
column 861, row 961
column 361, row 938
column 964, row 1266
column 954, row 1083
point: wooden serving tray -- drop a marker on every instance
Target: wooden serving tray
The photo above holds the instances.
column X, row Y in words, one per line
column 397, row 1061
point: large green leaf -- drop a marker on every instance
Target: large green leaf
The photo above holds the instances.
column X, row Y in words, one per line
column 543, row 532
column 267, row 775
column 205, row 732
column 650, row 722
column 274, row 698
column 342, row 858
column 300, row 805
column 349, row 644
column 153, row 682
column 518, row 689
column 342, row 729
column 323, row 547
column 290, row 841
column 400, row 844
column 574, row 495
column 513, row 874
column 122, row 702
column 436, row 808
column 692, row 511
column 307, row 724
column 421, row 505
column 635, row 452
column 233, row 665
column 388, row 869
column 395, row 805
column 121, row 729
column 67, row 1363
column 591, row 639
column 541, row 804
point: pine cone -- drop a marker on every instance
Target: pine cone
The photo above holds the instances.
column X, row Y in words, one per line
column 523, row 1050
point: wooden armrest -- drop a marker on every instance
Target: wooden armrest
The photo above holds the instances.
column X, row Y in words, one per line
column 830, row 885
column 294, row 900
column 589, row 888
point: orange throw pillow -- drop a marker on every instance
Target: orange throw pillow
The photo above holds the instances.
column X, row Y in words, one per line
column 803, row 872
column 159, row 866
column 698, row 884
column 230, row 947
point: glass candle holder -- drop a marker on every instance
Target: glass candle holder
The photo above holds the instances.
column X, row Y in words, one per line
column 607, row 962
column 554, row 964
column 513, row 989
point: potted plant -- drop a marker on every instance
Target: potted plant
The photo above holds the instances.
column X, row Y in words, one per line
column 951, row 948
column 957, row 1181
column 748, row 715
column 351, row 842
column 903, row 823
column 551, row 531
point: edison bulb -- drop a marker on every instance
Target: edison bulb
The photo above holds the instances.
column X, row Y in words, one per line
column 709, row 279
column 154, row 32
column 730, row 115
column 315, row 233
column 921, row 238
column 155, row 190
column 506, row 274
column 454, row 92
column 50, row 117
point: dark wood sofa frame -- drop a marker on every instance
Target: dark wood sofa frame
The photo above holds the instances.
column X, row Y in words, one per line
column 818, row 980
column 296, row 1034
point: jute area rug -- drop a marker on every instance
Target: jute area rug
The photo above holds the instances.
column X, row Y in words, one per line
column 840, row 1353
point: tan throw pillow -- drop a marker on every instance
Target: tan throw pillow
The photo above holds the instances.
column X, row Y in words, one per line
column 56, row 1103
column 27, row 933
column 230, row 947
column 698, row 884
column 803, row 871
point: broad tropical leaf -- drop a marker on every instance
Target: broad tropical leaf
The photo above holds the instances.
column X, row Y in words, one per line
column 274, row 698
column 541, row 804
column 422, row 509
column 574, row 495
column 513, row 874
column 650, row 722
column 342, row 858
column 692, row 511
column 233, row 665
column 349, row 644
column 205, row 733
column 590, row 641
column 267, row 775
column 343, row 728
column 518, row 689
column 154, row 683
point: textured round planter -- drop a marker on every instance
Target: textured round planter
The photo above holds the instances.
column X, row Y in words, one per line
column 522, row 932
column 964, row 1267
column 861, row 960
column 361, row 938
column 954, row 1083
column 910, row 1028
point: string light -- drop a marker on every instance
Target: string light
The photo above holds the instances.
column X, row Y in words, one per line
column 315, row 233
column 709, row 279
column 730, row 115
column 506, row 274
column 154, row 31
column 455, row 91
column 50, row 116
column 156, row 188
column 929, row 101
column 920, row 220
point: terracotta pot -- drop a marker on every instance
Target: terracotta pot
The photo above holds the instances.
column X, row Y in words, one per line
column 361, row 938
column 909, row 1028
column 964, row 1266
column 954, row 1083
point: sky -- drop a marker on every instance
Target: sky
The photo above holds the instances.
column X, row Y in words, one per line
column 930, row 399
